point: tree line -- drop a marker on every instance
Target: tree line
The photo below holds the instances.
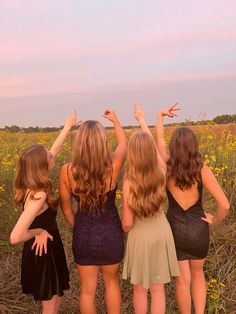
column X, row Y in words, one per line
column 222, row 119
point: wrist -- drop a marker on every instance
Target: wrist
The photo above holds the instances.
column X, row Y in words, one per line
column 116, row 122
column 66, row 128
column 39, row 230
column 161, row 114
column 142, row 119
column 142, row 122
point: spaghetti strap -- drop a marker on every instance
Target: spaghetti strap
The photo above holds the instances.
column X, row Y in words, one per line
column 199, row 185
column 26, row 196
column 111, row 178
column 69, row 178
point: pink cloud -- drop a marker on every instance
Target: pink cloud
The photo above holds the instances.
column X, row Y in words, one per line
column 45, row 47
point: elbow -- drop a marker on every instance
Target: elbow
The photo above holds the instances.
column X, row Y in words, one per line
column 14, row 239
column 226, row 207
column 126, row 226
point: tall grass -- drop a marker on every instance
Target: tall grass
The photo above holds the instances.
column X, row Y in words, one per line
column 218, row 145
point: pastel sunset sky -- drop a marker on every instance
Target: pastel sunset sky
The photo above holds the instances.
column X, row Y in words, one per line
column 61, row 55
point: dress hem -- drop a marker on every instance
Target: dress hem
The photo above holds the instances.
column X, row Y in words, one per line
column 60, row 294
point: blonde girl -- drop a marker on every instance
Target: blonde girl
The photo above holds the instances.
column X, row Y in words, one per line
column 91, row 179
column 150, row 257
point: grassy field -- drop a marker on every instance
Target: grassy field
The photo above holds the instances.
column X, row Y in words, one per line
column 218, row 146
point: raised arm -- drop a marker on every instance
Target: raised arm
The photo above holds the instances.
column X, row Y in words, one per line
column 139, row 115
column 56, row 147
column 213, row 187
column 66, row 196
column 119, row 154
column 161, row 145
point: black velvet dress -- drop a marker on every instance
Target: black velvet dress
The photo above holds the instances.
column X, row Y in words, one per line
column 191, row 234
column 46, row 275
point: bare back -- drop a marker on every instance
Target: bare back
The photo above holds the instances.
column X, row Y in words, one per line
column 185, row 198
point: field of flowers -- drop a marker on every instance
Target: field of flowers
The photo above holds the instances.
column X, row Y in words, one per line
column 218, row 146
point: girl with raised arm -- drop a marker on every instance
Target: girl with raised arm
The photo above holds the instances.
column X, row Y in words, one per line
column 44, row 272
column 187, row 175
column 91, row 179
column 150, row 257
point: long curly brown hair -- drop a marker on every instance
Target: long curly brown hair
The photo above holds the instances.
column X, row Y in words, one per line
column 185, row 161
column 91, row 165
column 32, row 174
column 146, row 180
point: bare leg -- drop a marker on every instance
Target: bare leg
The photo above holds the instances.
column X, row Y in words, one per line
column 198, row 285
column 51, row 306
column 88, row 285
column 112, row 285
column 158, row 303
column 59, row 300
column 183, row 287
column 140, row 299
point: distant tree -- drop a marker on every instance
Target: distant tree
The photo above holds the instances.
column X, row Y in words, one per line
column 13, row 128
column 205, row 122
column 225, row 118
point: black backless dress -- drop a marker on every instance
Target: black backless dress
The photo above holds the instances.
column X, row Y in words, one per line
column 191, row 234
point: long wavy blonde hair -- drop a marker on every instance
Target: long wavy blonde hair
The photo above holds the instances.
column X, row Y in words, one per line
column 32, row 174
column 91, row 165
column 146, row 180
column 185, row 161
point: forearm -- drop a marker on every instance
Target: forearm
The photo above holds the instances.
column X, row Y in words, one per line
column 56, row 147
column 29, row 234
column 120, row 134
column 160, row 127
column 161, row 145
column 143, row 126
column 220, row 214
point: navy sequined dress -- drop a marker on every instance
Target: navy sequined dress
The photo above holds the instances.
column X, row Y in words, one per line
column 47, row 275
column 191, row 234
column 99, row 239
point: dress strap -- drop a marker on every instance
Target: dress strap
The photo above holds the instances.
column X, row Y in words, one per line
column 199, row 185
column 111, row 178
column 69, row 178
column 26, row 196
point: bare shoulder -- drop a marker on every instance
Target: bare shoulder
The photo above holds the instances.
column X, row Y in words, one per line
column 205, row 169
column 35, row 201
column 64, row 171
column 38, row 195
column 206, row 173
column 209, row 180
column 65, row 167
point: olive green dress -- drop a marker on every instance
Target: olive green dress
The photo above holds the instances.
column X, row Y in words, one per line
column 150, row 255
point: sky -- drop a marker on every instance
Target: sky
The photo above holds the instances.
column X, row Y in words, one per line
column 88, row 55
